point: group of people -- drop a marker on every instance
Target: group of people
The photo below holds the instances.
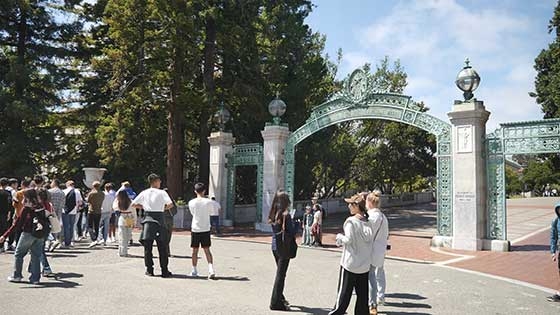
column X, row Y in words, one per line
column 312, row 224
column 364, row 244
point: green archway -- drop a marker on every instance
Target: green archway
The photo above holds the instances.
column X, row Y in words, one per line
column 358, row 101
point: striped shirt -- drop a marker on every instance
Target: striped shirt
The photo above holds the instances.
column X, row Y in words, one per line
column 58, row 199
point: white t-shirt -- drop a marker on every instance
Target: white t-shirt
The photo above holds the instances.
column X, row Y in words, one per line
column 79, row 199
column 153, row 199
column 107, row 205
column 216, row 209
column 201, row 209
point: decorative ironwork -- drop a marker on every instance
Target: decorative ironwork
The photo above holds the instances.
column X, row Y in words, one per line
column 358, row 100
column 529, row 137
column 244, row 155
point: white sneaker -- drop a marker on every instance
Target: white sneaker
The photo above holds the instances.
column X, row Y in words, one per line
column 211, row 274
column 194, row 273
column 92, row 244
column 380, row 301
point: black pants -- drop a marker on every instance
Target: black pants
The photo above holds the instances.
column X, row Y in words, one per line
column 81, row 216
column 162, row 253
column 277, row 299
column 3, row 222
column 93, row 225
column 348, row 282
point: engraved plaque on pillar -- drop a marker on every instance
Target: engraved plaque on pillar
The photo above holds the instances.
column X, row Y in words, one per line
column 464, row 139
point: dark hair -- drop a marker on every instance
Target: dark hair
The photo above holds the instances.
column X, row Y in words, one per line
column 280, row 203
column 56, row 182
column 123, row 201
column 152, row 178
column 12, row 181
column 26, row 182
column 43, row 195
column 38, row 179
column 199, row 188
column 30, row 195
column 109, row 186
column 3, row 181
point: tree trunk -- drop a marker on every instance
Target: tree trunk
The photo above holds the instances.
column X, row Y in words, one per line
column 209, row 88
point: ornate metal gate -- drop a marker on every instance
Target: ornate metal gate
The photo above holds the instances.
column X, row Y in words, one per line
column 244, row 155
column 530, row 137
column 358, row 100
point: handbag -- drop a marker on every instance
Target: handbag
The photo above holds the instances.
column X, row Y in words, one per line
column 286, row 244
column 129, row 221
column 55, row 224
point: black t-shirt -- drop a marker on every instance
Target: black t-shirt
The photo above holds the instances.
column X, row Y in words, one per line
column 6, row 201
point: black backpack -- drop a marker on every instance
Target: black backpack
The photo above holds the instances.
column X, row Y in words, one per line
column 70, row 202
column 40, row 224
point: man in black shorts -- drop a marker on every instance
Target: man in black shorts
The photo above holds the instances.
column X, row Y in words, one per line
column 201, row 207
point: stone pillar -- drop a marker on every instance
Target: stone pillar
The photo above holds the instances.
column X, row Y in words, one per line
column 221, row 143
column 468, row 119
column 275, row 138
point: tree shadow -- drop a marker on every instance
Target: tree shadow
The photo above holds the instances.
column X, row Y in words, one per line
column 61, row 256
column 217, row 278
column 529, row 248
column 407, row 296
column 181, row 256
column 310, row 310
column 407, row 305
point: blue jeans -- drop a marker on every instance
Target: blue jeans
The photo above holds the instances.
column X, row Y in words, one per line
column 104, row 225
column 376, row 284
column 68, row 221
column 28, row 242
column 215, row 222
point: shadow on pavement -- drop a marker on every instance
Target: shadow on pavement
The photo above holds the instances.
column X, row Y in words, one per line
column 59, row 281
column 309, row 310
column 181, row 256
column 407, row 296
column 407, row 305
column 61, row 255
column 530, row 248
column 402, row 313
column 217, row 278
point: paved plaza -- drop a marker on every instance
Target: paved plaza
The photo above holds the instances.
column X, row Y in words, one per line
column 96, row 281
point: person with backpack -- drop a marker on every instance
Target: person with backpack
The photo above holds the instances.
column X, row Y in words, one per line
column 71, row 205
column 554, row 250
column 6, row 208
column 33, row 223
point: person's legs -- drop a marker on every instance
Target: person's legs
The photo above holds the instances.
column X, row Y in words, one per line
column 380, row 277
column 37, row 247
column 148, row 256
column 361, row 288
column 215, row 222
column 163, row 256
column 125, row 234
column 104, row 225
column 24, row 244
column 372, row 283
column 277, row 301
column 194, row 257
column 44, row 261
column 345, row 287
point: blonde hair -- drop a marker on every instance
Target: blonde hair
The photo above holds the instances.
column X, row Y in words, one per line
column 374, row 197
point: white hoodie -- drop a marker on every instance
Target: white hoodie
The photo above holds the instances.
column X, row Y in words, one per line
column 358, row 244
column 381, row 228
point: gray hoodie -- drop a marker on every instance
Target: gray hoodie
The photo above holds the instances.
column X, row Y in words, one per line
column 358, row 244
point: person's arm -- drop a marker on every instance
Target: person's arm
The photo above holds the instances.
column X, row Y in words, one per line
column 289, row 223
column 554, row 238
column 343, row 239
column 16, row 225
column 168, row 202
column 137, row 202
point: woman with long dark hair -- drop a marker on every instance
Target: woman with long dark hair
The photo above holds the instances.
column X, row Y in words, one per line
column 127, row 219
column 281, row 222
column 33, row 223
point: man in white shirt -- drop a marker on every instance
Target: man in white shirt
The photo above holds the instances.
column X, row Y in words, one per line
column 201, row 207
column 71, row 205
column 154, row 201
column 215, row 215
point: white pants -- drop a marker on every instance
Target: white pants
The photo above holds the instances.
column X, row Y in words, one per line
column 376, row 284
column 125, row 235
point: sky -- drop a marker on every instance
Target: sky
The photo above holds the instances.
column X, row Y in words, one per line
column 432, row 38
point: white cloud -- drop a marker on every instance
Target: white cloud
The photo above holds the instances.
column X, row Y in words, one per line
column 433, row 37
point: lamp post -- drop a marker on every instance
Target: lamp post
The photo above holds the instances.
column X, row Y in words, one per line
column 467, row 80
column 222, row 116
column 277, row 108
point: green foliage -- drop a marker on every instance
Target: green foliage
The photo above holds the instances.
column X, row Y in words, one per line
column 514, row 185
column 539, row 173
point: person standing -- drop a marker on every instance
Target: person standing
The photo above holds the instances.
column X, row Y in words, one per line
column 106, row 212
column 355, row 262
column 154, row 201
column 376, row 275
column 554, row 250
column 72, row 202
column 95, row 201
column 306, row 226
column 57, row 200
column 6, row 208
column 281, row 221
column 168, row 215
column 44, row 199
column 32, row 223
column 127, row 220
column 215, row 215
column 200, row 208
column 317, row 226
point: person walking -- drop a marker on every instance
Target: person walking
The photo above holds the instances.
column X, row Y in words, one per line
column 106, row 212
column 32, row 222
column 57, row 200
column 200, row 208
column 554, row 249
column 215, row 215
column 18, row 206
column 281, row 222
column 44, row 199
column 127, row 220
column 154, row 201
column 72, row 202
column 355, row 262
column 6, row 208
column 95, row 201
column 376, row 275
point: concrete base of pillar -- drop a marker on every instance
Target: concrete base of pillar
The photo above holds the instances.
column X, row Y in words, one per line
column 442, row 241
column 496, row 245
column 263, row 227
column 467, row 244
column 226, row 222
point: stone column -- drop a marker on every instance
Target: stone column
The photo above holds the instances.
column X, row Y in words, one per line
column 275, row 138
column 221, row 143
column 469, row 174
